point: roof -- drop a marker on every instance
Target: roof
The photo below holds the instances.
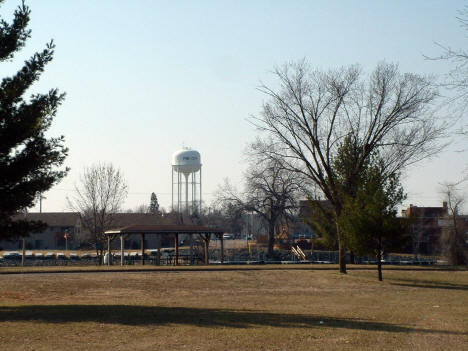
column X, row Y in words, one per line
column 164, row 229
column 425, row 212
column 52, row 219
column 119, row 220
column 70, row 219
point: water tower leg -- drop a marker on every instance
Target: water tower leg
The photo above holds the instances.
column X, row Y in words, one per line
column 178, row 192
column 186, row 193
column 200, row 189
column 172, row 188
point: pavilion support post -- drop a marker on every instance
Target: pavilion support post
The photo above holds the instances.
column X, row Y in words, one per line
column 122, row 250
column 176, row 246
column 109, row 250
column 206, row 239
column 23, row 256
column 142, row 249
column 158, row 246
column 222, row 247
column 191, row 248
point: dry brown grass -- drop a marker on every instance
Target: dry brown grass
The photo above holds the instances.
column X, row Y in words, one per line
column 266, row 309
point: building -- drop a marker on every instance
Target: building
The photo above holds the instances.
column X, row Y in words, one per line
column 64, row 229
column 300, row 229
column 425, row 228
column 59, row 225
column 459, row 227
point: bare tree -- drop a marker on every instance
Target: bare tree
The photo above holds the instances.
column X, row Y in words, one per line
column 98, row 197
column 453, row 233
column 225, row 215
column 456, row 80
column 142, row 208
column 270, row 189
column 311, row 112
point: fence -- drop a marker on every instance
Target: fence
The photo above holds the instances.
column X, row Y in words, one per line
column 231, row 256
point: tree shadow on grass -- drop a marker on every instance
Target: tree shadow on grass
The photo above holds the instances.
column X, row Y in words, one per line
column 428, row 284
column 202, row 317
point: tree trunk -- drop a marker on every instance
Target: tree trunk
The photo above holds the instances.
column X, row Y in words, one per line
column 379, row 267
column 379, row 259
column 342, row 256
column 271, row 238
column 341, row 250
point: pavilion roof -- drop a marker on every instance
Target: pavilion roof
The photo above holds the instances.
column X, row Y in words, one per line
column 164, row 229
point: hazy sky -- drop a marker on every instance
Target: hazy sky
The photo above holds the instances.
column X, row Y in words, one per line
column 144, row 78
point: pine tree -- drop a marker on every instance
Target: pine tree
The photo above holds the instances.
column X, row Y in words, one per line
column 29, row 162
column 369, row 218
column 154, row 204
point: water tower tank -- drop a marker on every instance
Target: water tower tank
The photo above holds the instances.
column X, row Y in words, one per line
column 186, row 181
column 186, row 161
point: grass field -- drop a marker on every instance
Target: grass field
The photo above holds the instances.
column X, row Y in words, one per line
column 247, row 309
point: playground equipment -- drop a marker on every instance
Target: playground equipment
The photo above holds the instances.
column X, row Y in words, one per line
column 299, row 253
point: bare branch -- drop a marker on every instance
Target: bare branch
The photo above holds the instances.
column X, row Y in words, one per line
column 312, row 112
column 98, row 197
column 271, row 189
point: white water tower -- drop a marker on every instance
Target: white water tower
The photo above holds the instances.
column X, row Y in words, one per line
column 186, row 179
